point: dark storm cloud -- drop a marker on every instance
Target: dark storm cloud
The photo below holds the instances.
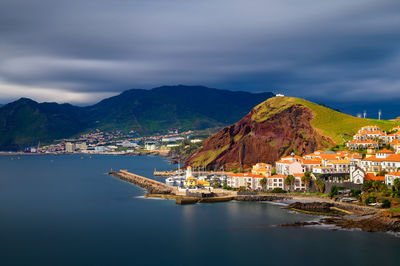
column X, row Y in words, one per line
column 80, row 51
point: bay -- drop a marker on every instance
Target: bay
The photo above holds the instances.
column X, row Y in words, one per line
column 65, row 210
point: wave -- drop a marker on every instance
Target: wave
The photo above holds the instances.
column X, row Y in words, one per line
column 143, row 197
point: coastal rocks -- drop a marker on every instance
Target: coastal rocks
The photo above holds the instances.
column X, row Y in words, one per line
column 369, row 223
column 312, row 206
column 298, row 224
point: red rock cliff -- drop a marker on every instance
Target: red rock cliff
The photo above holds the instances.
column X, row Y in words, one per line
column 250, row 141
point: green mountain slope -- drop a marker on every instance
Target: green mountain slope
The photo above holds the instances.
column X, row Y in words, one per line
column 24, row 122
column 185, row 107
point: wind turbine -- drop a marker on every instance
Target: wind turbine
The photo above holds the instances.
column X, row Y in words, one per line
column 365, row 114
column 379, row 114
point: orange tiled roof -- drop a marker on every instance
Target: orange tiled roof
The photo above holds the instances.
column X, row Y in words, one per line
column 247, row 175
column 311, row 162
column 393, row 158
column 328, row 156
column 370, row 176
column 277, row 176
column 390, row 158
column 385, row 151
column 394, row 173
column 299, row 174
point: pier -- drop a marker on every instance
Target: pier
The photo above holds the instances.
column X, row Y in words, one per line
column 195, row 173
column 152, row 186
column 161, row 190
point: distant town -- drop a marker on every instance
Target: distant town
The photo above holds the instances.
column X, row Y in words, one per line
column 116, row 143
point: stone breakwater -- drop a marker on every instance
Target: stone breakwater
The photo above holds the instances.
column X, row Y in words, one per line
column 312, row 206
column 152, row 186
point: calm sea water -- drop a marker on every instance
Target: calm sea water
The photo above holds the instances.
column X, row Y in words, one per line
column 63, row 210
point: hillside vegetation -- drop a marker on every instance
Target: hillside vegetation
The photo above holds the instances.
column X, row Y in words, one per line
column 337, row 126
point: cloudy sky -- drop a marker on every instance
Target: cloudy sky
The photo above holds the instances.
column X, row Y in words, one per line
column 82, row 51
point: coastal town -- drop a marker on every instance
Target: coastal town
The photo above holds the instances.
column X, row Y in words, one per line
column 346, row 170
column 359, row 186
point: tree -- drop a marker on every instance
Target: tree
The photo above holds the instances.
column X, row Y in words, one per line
column 396, row 184
column 382, row 173
column 367, row 186
column 273, row 171
column 306, row 179
column 278, row 190
column 320, row 185
column 225, row 185
column 289, row 181
column 334, row 191
column 369, row 200
column 386, row 204
column 263, row 182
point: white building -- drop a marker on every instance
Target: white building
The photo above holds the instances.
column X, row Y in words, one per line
column 69, row 147
column 247, row 180
column 81, row 146
column 289, row 165
column 390, row 177
column 357, row 175
column 276, row 181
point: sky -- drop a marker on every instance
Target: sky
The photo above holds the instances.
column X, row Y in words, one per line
column 83, row 51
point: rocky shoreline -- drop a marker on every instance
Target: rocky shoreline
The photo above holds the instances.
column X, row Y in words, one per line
column 358, row 218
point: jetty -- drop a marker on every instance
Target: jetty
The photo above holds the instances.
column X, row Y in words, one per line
column 152, row 186
column 161, row 190
column 175, row 172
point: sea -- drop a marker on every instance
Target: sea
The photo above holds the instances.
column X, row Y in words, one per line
column 66, row 210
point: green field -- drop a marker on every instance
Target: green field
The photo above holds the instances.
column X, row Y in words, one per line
column 338, row 126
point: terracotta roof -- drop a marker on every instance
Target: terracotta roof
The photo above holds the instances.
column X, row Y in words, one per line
column 393, row 158
column 394, row 173
column 355, row 155
column 385, row 151
column 277, row 176
column 339, row 162
column 370, row 176
column 299, row 174
column 247, row 175
column 374, row 159
column 329, row 156
column 311, row 162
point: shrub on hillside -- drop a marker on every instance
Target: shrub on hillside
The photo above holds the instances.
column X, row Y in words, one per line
column 278, row 190
column 369, row 200
column 385, row 204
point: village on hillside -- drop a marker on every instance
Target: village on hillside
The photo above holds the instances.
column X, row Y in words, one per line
column 373, row 156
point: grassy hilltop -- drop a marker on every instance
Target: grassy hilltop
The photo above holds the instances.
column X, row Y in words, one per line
column 333, row 124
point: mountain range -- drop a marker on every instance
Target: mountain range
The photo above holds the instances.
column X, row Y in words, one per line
column 25, row 121
column 278, row 127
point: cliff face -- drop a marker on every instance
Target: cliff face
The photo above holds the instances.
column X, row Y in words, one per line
column 267, row 133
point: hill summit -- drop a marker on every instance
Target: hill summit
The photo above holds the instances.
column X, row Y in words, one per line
column 275, row 128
